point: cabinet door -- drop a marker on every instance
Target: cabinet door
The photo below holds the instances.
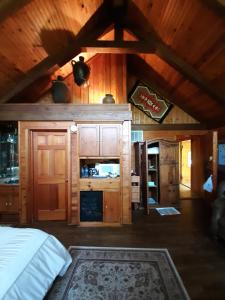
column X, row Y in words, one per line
column 169, row 152
column 110, row 140
column 88, row 140
column 9, row 197
column 169, row 194
column 5, row 198
column 111, row 210
column 169, row 172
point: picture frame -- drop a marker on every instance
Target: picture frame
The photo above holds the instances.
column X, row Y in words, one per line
column 149, row 101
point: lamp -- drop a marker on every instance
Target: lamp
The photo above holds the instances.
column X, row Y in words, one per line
column 81, row 71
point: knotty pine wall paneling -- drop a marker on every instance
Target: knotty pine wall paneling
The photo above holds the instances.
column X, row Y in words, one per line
column 107, row 76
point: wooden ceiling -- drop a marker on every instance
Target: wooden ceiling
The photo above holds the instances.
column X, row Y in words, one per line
column 176, row 45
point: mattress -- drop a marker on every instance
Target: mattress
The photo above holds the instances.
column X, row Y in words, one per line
column 30, row 260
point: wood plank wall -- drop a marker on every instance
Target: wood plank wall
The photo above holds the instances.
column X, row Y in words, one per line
column 109, row 75
column 175, row 116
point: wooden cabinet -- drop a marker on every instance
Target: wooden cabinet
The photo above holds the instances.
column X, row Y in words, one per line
column 106, row 184
column 9, row 196
column 88, row 139
column 9, row 203
column 99, row 144
column 99, row 140
column 111, row 208
column 110, row 188
column 135, row 189
column 161, row 173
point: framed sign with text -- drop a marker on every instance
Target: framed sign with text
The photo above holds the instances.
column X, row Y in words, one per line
column 150, row 102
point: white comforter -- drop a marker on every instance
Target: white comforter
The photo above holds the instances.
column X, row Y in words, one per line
column 30, row 259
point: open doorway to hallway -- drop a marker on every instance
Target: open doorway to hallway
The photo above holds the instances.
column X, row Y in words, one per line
column 185, row 169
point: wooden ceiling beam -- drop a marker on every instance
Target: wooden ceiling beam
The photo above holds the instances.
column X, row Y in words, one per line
column 218, row 6
column 95, row 26
column 9, row 7
column 139, row 25
column 116, row 47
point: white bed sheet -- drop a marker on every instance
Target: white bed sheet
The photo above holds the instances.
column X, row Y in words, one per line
column 30, row 259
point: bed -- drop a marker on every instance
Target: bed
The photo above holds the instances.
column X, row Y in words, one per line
column 30, row 260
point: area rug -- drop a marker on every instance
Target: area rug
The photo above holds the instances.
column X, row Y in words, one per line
column 165, row 211
column 119, row 274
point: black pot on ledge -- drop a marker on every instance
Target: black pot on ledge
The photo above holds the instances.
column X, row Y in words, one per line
column 108, row 99
column 60, row 91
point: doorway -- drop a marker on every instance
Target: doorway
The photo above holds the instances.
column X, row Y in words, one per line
column 50, row 184
column 185, row 169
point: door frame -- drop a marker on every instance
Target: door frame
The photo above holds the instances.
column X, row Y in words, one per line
column 181, row 161
column 26, row 169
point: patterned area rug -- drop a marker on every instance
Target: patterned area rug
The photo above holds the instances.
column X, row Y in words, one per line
column 119, row 274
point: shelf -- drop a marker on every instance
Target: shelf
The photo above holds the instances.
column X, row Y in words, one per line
column 152, row 170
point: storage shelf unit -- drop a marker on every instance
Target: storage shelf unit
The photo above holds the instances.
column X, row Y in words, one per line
column 135, row 189
column 160, row 172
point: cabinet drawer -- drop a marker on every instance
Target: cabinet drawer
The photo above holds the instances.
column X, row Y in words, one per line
column 135, row 189
column 135, row 197
column 99, row 184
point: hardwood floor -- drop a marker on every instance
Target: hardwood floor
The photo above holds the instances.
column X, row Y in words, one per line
column 199, row 260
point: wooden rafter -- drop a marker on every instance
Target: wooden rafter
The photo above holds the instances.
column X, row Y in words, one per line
column 116, row 47
column 218, row 6
column 95, row 26
column 139, row 25
column 108, row 15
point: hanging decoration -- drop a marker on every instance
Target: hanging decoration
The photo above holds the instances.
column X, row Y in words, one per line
column 81, row 71
column 150, row 102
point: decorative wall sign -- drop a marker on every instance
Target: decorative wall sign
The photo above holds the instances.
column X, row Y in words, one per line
column 148, row 101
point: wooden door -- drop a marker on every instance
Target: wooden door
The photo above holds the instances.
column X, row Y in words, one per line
column 169, row 172
column 111, row 210
column 110, row 140
column 204, row 162
column 50, row 175
column 88, row 140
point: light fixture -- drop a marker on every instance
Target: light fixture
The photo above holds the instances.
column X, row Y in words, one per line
column 73, row 128
column 81, row 71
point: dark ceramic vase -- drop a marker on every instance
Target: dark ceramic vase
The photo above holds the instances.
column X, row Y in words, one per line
column 81, row 71
column 108, row 99
column 60, row 91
